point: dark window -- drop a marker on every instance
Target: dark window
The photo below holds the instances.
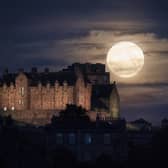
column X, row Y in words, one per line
column 87, row 139
column 71, row 139
column 59, row 138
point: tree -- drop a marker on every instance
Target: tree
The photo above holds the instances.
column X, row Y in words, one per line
column 73, row 112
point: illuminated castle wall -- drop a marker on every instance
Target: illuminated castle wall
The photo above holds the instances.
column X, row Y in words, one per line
column 35, row 97
column 22, row 96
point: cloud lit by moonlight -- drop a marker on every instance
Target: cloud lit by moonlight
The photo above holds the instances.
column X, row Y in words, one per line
column 125, row 59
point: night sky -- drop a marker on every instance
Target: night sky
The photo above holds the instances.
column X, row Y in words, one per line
column 54, row 34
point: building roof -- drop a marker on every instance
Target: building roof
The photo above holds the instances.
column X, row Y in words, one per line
column 52, row 77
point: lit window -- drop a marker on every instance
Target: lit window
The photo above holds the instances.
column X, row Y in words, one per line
column 88, row 139
column 5, row 108
column 59, row 138
column 71, row 138
column 22, row 91
column 21, row 102
column 107, row 139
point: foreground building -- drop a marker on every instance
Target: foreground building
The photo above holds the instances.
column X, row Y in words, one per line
column 91, row 141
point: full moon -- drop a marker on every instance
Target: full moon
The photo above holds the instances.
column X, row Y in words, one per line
column 125, row 59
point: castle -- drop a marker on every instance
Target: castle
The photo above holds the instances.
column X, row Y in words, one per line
column 29, row 96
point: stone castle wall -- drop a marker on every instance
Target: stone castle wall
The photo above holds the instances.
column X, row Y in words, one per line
column 22, row 96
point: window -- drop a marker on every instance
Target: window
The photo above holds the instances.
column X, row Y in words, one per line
column 105, row 78
column 107, row 139
column 87, row 139
column 59, row 138
column 19, row 101
column 22, row 91
column 71, row 139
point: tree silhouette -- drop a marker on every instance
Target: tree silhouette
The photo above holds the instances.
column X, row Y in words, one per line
column 72, row 112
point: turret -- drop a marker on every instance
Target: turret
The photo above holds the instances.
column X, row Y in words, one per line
column 114, row 107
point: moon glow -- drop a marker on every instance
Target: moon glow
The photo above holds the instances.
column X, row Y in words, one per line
column 125, row 59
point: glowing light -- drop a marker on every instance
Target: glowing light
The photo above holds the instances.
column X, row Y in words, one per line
column 5, row 108
column 125, row 59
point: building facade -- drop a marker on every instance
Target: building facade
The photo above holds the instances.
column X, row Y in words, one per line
column 21, row 95
column 90, row 140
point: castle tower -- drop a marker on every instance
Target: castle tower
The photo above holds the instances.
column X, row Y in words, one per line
column 21, row 99
column 114, row 106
